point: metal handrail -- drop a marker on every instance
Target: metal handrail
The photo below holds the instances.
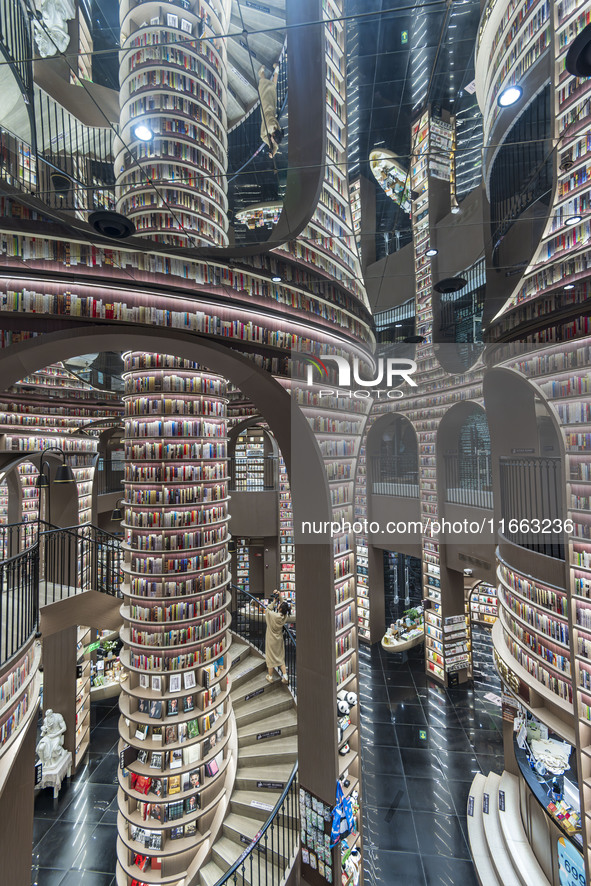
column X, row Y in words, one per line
column 258, row 838
column 19, row 581
column 236, row 873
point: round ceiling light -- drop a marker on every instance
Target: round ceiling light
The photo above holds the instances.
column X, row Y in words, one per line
column 276, row 279
column 143, row 132
column 509, row 96
column 573, row 220
column 570, row 286
column 578, row 58
column 450, row 284
column 111, row 224
column 414, row 339
column 431, row 252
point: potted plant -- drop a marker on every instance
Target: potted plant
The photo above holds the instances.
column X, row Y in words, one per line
column 411, row 616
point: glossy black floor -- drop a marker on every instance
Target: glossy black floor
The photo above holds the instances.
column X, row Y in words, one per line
column 74, row 842
column 422, row 746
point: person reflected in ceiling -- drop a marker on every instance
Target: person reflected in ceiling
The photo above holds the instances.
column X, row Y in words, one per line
column 271, row 131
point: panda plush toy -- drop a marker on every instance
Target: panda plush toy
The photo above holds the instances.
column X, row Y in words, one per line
column 343, row 707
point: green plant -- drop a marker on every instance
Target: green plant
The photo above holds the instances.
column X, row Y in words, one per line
column 412, row 614
column 109, row 646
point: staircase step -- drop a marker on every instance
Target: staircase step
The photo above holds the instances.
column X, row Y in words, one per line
column 497, row 848
column 239, row 652
column 225, row 853
column 476, row 834
column 274, row 774
column 263, row 730
column 246, row 670
column 263, row 706
column 256, row 804
column 278, row 750
column 242, row 830
column 253, row 688
column 210, row 873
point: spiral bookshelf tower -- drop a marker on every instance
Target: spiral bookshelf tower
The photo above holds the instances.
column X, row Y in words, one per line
column 176, row 711
column 171, row 156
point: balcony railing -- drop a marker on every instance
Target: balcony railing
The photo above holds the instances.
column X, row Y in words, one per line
column 531, row 501
column 19, row 578
column 395, row 475
column 254, row 474
column 79, row 558
column 15, row 42
column 108, row 478
column 468, row 479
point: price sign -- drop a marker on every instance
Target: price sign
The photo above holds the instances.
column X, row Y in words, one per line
column 570, row 864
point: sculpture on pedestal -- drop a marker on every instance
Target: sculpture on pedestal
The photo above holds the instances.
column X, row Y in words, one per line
column 51, row 744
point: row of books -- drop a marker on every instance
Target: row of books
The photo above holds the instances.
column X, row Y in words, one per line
column 139, row 587
column 177, row 611
column 180, row 541
column 152, row 662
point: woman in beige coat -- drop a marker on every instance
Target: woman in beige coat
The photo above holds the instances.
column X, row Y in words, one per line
column 276, row 615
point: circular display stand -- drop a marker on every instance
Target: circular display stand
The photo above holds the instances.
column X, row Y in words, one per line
column 403, row 645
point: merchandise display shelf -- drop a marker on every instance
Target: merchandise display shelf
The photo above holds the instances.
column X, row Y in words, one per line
column 176, row 711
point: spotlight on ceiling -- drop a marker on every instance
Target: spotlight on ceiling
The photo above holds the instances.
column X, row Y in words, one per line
column 143, row 132
column 276, row 279
column 431, row 252
column 450, row 284
column 570, row 286
column 414, row 339
column 578, row 58
column 111, row 224
column 573, row 220
column 509, row 96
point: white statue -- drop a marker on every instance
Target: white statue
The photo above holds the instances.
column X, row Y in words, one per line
column 51, row 34
column 50, row 748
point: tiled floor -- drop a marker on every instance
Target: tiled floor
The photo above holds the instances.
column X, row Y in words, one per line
column 421, row 747
column 74, row 843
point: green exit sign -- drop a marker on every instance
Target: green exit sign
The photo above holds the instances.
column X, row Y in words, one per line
column 423, row 734
column 404, row 37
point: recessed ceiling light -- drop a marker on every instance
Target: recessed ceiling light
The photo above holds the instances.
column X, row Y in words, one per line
column 398, row 324
column 570, row 286
column 276, row 279
column 143, row 132
column 509, row 96
column 573, row 220
column 431, row 252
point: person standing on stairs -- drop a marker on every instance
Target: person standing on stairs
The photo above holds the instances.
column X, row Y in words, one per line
column 276, row 615
column 271, row 131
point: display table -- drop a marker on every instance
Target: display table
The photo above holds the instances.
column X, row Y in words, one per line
column 540, row 787
column 408, row 639
column 52, row 776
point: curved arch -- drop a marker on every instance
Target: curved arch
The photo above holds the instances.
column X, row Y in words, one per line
column 528, row 458
column 392, row 448
column 464, row 455
column 311, row 501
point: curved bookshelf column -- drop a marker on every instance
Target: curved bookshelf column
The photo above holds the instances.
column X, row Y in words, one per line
column 176, row 714
column 173, row 185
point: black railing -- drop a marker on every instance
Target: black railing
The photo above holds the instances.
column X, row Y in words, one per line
column 108, row 478
column 531, row 502
column 395, row 475
column 16, row 538
column 19, row 578
column 79, row 558
column 468, row 479
column 254, row 474
column 15, row 42
column 270, row 855
column 248, row 620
